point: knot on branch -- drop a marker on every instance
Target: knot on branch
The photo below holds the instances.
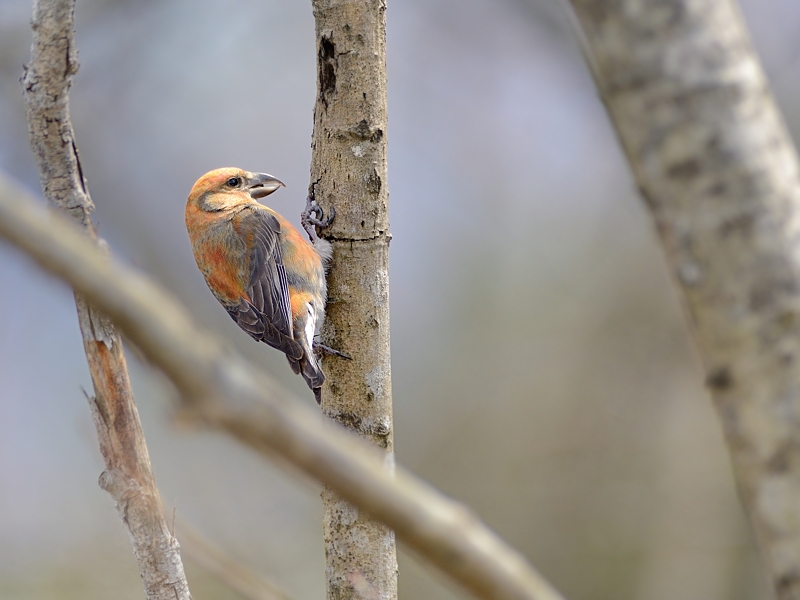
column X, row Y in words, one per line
column 121, row 487
column 115, row 484
column 720, row 379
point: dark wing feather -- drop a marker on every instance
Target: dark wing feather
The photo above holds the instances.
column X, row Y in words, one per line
column 267, row 316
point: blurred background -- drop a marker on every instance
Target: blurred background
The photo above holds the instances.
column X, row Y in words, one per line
column 542, row 370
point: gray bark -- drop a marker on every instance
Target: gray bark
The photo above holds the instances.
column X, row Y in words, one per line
column 128, row 476
column 348, row 172
column 718, row 171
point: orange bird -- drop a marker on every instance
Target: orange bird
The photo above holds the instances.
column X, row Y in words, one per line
column 261, row 269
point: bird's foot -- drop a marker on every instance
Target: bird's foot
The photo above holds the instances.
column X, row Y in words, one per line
column 313, row 217
column 321, row 348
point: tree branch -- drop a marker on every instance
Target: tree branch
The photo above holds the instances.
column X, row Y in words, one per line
column 348, row 172
column 128, row 476
column 717, row 168
column 229, row 394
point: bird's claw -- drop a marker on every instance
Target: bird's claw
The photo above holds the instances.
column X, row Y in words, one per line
column 321, row 348
column 313, row 217
column 316, row 216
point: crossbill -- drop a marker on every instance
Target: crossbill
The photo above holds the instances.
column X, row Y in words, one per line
column 268, row 277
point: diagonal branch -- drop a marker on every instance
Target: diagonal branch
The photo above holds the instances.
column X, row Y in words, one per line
column 229, row 394
column 128, row 476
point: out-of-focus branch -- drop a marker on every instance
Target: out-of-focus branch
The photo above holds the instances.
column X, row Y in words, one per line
column 714, row 161
column 128, row 476
column 197, row 548
column 228, row 393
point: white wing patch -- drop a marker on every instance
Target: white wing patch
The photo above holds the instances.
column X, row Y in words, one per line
column 311, row 324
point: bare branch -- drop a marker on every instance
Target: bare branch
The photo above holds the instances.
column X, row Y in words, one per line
column 228, row 393
column 716, row 166
column 348, row 172
column 128, row 476
column 46, row 82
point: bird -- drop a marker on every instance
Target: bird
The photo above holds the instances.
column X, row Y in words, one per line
column 269, row 278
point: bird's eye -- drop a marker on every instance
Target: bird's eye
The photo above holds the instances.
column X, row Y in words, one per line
column 233, row 181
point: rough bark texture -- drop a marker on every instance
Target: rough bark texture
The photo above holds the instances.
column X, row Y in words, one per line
column 128, row 476
column 229, row 394
column 348, row 172
column 716, row 166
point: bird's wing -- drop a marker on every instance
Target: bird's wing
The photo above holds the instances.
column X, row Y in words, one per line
column 268, row 314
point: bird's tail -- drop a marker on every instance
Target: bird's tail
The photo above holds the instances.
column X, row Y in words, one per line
column 308, row 366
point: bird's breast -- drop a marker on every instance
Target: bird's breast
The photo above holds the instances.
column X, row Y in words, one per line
column 220, row 255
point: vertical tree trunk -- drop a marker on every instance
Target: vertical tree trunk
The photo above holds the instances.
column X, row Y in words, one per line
column 348, row 172
column 715, row 164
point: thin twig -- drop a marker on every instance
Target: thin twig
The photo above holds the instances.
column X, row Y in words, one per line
column 243, row 580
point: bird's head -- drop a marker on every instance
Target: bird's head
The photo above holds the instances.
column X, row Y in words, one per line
column 229, row 187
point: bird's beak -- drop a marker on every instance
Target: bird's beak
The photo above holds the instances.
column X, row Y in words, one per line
column 261, row 184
